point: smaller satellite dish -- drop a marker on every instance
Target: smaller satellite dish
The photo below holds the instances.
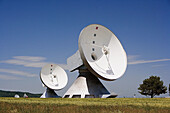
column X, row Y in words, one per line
column 53, row 77
column 16, row 96
column 25, row 95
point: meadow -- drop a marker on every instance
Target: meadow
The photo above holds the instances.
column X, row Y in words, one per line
column 90, row 105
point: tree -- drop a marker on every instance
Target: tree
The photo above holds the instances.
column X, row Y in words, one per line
column 152, row 86
column 169, row 89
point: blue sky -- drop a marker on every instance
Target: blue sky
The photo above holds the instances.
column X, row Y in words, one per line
column 34, row 32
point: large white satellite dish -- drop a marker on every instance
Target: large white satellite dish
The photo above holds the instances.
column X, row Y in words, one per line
column 103, row 56
column 54, row 78
column 102, row 53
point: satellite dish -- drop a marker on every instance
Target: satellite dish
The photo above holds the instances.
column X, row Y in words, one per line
column 16, row 96
column 53, row 77
column 102, row 53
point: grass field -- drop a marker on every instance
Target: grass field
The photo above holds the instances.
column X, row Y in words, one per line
column 94, row 105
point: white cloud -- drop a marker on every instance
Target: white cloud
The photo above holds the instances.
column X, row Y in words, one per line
column 6, row 77
column 147, row 61
column 29, row 58
column 132, row 59
column 30, row 61
column 15, row 72
column 13, row 61
column 25, row 63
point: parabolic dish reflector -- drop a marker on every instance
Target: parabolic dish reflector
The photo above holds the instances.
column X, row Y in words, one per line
column 53, row 76
column 102, row 52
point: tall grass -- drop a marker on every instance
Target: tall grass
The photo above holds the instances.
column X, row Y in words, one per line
column 94, row 105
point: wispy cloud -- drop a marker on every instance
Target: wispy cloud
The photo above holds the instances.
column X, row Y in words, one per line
column 132, row 59
column 16, row 72
column 29, row 58
column 148, row 61
column 6, row 77
column 30, row 61
column 27, row 61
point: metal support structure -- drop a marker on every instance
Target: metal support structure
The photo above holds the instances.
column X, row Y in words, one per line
column 87, row 85
column 49, row 93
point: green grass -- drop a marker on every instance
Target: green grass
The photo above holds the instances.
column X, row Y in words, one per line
column 94, row 105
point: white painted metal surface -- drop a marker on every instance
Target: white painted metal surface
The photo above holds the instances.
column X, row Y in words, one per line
column 87, row 85
column 25, row 95
column 74, row 61
column 102, row 53
column 49, row 93
column 16, row 96
column 53, row 77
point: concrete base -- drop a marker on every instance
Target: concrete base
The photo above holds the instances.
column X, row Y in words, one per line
column 87, row 85
column 49, row 93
